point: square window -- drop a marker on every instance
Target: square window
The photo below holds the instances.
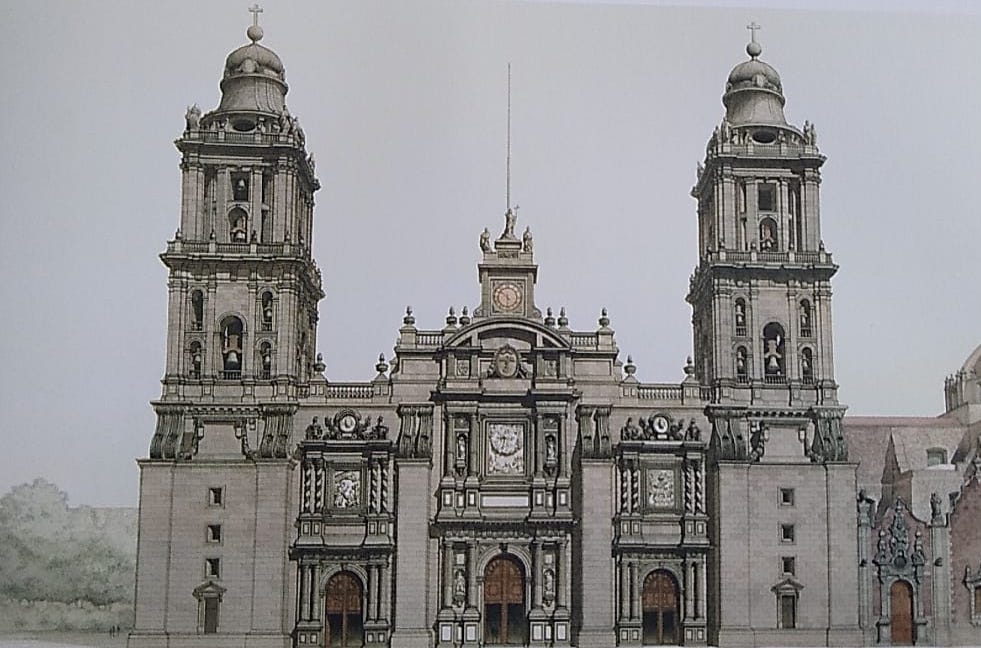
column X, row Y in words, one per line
column 786, row 496
column 212, row 567
column 767, row 195
column 216, row 496
column 789, row 564
column 786, row 533
column 214, row 533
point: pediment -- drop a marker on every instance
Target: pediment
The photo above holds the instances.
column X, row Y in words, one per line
column 522, row 334
column 788, row 585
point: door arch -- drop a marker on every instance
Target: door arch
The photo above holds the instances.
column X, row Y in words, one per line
column 505, row 621
column 901, row 626
column 660, row 601
column 343, row 624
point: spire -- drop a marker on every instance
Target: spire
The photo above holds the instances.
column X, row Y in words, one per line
column 508, row 163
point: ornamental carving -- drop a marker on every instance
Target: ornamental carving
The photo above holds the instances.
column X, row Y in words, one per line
column 505, row 449
column 347, row 489
column 660, row 488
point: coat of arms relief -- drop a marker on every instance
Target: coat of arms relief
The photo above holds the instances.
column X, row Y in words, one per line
column 505, row 449
column 660, row 488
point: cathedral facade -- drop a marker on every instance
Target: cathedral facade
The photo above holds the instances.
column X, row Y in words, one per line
column 506, row 480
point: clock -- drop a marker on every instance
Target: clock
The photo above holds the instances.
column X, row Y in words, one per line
column 507, row 297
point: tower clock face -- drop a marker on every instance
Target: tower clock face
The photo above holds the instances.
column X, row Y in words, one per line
column 507, row 297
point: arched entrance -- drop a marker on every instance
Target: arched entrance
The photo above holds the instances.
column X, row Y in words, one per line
column 660, row 604
column 504, row 603
column 901, row 614
column 343, row 625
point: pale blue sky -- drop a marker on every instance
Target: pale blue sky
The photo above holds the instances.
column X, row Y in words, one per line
column 403, row 104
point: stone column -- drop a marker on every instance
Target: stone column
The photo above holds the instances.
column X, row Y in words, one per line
column 702, row 590
column 689, row 591
column 624, row 590
column 634, row 592
column 536, row 575
column 370, row 592
column 386, row 591
column 447, row 574
column 471, row 574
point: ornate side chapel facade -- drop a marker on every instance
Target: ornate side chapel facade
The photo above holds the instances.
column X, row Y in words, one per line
column 504, row 479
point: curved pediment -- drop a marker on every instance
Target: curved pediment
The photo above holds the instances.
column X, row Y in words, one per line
column 528, row 333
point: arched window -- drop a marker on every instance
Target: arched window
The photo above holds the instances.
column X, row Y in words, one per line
column 266, row 304
column 740, row 316
column 196, row 360
column 742, row 364
column 807, row 365
column 231, row 348
column 805, row 318
column 238, row 225
column 342, row 602
column 768, row 234
column 197, row 310
column 774, row 370
column 265, row 361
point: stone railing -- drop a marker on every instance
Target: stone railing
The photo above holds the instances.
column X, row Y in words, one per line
column 753, row 256
column 349, row 390
column 180, row 246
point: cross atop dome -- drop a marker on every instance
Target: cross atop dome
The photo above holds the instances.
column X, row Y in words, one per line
column 254, row 32
column 754, row 49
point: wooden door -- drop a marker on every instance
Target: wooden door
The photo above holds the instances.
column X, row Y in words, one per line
column 343, row 625
column 504, row 603
column 660, row 602
column 901, row 607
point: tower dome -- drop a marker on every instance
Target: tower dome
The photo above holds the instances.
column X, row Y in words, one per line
column 754, row 93
column 253, row 84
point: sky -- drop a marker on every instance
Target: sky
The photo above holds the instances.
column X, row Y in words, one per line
column 404, row 107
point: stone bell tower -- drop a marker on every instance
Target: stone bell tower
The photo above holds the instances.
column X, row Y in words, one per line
column 761, row 312
column 242, row 314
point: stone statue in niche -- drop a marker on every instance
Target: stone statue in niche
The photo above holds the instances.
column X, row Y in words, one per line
column 551, row 451
column 347, row 489
column 505, row 449
column 459, row 587
column 548, row 586
column 740, row 315
column 660, row 488
column 936, row 515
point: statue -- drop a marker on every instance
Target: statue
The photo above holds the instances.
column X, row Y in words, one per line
column 740, row 315
column 380, row 430
column 757, row 440
column 935, row 513
column 693, row 433
column 485, row 244
column 314, row 430
column 510, row 217
column 285, row 123
column 726, row 131
column 551, row 453
column 630, row 431
column 192, row 118
column 527, row 242
column 459, row 587
column 461, row 447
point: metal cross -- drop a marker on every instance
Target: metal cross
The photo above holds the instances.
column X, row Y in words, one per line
column 752, row 27
column 255, row 10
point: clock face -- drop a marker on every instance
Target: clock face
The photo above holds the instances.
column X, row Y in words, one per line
column 507, row 297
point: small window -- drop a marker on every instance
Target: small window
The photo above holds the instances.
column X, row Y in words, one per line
column 216, row 496
column 786, row 533
column 787, row 496
column 767, row 195
column 214, row 533
column 211, row 615
column 788, row 611
column 789, row 565
column 936, row 457
column 212, row 567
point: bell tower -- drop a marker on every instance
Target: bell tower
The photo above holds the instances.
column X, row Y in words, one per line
column 761, row 295
column 243, row 288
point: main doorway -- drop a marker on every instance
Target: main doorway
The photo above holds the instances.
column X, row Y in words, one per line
column 343, row 626
column 660, row 606
column 504, row 603
column 901, row 614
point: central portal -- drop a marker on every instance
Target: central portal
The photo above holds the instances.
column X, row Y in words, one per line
column 343, row 607
column 504, row 603
column 660, row 600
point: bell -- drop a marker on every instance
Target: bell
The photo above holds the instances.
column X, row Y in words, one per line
column 232, row 358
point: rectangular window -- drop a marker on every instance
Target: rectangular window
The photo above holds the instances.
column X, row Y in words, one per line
column 212, row 567
column 786, row 533
column 766, row 197
column 786, row 496
column 216, row 496
column 214, row 533
column 789, row 565
column 788, row 611
column 211, row 615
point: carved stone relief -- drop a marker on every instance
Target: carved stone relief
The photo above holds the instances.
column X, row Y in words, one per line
column 347, row 489
column 505, row 449
column 660, row 488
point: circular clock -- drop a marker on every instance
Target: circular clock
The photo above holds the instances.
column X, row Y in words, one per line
column 348, row 423
column 660, row 424
column 507, row 297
